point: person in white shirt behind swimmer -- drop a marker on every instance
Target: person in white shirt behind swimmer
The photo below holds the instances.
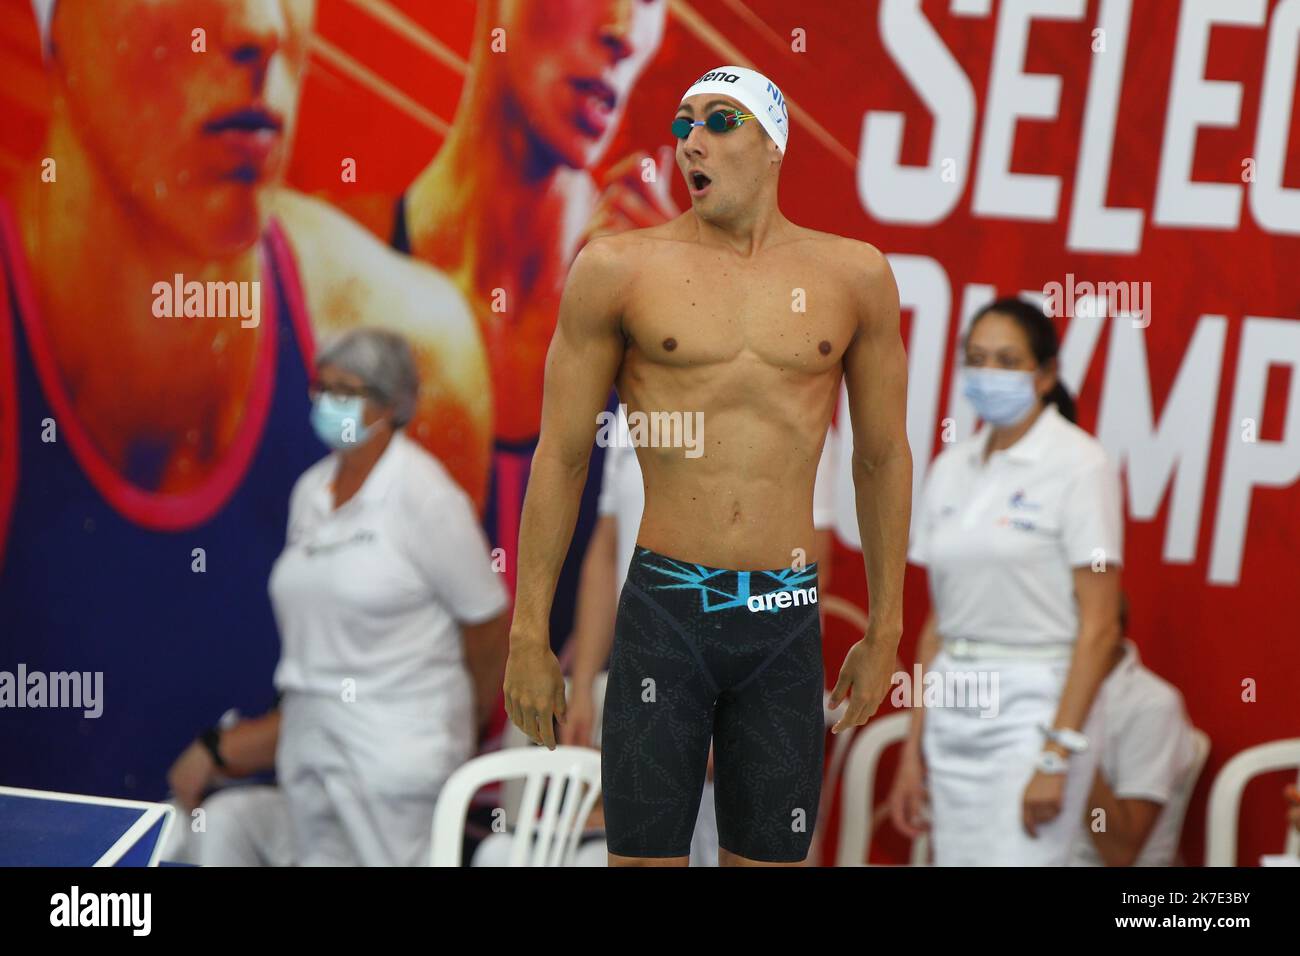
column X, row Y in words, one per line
column 393, row 627
column 1020, row 529
column 1141, row 784
column 1142, row 781
column 600, row 583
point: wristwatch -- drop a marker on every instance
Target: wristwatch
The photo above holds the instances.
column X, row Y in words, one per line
column 211, row 741
column 1071, row 740
column 1049, row 761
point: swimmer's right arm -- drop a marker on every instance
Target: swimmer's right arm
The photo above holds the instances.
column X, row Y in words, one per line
column 585, row 353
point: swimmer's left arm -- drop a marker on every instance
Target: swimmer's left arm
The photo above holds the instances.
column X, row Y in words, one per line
column 875, row 376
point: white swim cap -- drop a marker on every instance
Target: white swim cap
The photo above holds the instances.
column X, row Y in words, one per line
column 44, row 11
column 752, row 90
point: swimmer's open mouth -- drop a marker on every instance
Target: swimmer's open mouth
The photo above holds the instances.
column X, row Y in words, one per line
column 699, row 182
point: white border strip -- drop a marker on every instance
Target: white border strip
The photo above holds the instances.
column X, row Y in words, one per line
column 150, row 815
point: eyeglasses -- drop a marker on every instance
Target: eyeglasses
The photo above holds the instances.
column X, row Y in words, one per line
column 721, row 121
column 314, row 389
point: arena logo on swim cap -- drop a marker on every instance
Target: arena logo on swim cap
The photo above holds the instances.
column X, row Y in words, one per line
column 752, row 90
column 718, row 76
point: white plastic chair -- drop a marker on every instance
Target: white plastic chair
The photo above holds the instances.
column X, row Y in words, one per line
column 856, row 813
column 1225, row 797
column 570, row 774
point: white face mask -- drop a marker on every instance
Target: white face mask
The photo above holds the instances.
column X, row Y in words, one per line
column 1000, row 396
column 337, row 420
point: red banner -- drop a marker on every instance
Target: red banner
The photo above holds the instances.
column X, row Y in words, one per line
column 1137, row 162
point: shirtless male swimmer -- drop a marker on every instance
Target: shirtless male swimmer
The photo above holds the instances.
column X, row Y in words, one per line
column 732, row 312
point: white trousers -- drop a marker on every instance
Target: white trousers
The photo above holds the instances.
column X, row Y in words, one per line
column 978, row 764
column 361, row 780
column 240, row 825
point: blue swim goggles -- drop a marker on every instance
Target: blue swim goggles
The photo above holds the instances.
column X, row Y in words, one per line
column 720, row 121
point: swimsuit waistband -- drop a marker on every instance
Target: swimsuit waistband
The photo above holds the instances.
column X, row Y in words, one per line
column 641, row 553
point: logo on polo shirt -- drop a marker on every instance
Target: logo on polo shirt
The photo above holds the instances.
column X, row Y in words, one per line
column 1021, row 500
column 359, row 537
column 1020, row 524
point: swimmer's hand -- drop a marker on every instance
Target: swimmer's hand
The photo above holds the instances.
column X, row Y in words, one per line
column 534, row 691
column 864, row 679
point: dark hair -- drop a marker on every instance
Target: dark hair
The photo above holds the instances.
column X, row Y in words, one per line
column 1043, row 343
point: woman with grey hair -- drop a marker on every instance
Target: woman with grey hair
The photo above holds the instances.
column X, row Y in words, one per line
column 391, row 619
column 372, row 362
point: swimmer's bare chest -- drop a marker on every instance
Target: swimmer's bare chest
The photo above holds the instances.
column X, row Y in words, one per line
column 753, row 350
column 724, row 332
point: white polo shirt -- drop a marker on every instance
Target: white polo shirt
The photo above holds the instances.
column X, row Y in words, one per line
column 374, row 591
column 622, row 494
column 1001, row 538
column 1147, row 752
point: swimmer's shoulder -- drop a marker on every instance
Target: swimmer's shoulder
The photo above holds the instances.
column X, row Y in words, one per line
column 618, row 257
column 842, row 251
column 634, row 242
column 856, row 264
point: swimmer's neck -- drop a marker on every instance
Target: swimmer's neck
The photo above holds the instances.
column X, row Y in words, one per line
column 746, row 234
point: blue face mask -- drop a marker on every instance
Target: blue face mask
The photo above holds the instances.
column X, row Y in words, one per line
column 337, row 420
column 1000, row 396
